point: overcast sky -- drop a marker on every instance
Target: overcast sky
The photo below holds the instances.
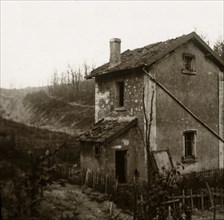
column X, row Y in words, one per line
column 39, row 37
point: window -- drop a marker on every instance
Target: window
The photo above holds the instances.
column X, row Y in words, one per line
column 189, row 63
column 120, row 94
column 189, row 144
column 97, row 149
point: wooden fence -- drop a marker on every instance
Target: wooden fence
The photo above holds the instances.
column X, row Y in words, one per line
column 195, row 180
column 194, row 192
column 202, row 199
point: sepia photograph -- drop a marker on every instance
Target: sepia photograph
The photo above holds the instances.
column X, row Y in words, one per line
column 112, row 110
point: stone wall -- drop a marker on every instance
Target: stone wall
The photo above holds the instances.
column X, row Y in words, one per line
column 106, row 96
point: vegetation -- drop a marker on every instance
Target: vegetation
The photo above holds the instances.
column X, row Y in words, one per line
column 157, row 196
column 68, row 101
column 219, row 48
column 42, row 101
column 25, row 163
column 71, row 86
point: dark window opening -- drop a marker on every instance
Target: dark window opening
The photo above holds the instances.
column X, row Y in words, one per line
column 120, row 91
column 97, row 149
column 188, row 63
column 189, row 60
column 120, row 163
column 189, row 143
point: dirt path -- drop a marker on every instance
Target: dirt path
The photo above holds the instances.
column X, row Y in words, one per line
column 69, row 202
column 208, row 215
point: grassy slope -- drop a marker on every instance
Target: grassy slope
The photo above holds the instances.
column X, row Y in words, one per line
column 17, row 140
column 38, row 109
column 31, row 137
column 20, row 148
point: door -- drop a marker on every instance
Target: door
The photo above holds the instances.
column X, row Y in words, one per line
column 121, row 165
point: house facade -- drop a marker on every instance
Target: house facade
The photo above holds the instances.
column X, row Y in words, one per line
column 175, row 88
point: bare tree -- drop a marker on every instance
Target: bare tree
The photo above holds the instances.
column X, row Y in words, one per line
column 55, row 79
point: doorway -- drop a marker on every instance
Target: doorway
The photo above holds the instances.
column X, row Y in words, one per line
column 121, row 165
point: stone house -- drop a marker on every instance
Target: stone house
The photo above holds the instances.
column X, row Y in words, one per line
column 179, row 83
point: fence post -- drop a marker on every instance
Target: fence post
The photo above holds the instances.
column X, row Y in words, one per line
column 135, row 198
column 183, row 197
column 106, row 182
column 173, row 203
column 93, row 179
column 192, row 202
column 222, row 196
column 202, row 200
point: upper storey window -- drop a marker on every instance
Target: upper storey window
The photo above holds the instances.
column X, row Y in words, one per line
column 120, row 94
column 189, row 64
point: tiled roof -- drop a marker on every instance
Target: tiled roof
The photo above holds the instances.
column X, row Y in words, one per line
column 107, row 129
column 150, row 54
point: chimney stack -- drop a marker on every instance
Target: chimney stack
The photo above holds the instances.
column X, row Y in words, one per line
column 115, row 52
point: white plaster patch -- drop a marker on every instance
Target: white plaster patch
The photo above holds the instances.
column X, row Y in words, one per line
column 117, row 147
column 105, row 96
column 125, row 142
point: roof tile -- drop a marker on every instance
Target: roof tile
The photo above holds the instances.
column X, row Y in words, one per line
column 106, row 128
column 151, row 53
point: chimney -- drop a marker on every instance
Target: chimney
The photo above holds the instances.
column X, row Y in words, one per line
column 115, row 52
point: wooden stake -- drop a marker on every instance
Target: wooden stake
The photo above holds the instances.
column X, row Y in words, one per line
column 202, row 201
column 192, row 202
column 93, row 180
column 111, row 208
column 210, row 195
column 106, row 185
column 173, row 203
column 221, row 196
column 183, row 200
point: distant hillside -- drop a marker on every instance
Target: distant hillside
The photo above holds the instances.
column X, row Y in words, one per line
column 30, row 137
column 61, row 111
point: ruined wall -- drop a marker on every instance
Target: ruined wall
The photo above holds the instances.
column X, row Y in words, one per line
column 130, row 141
column 106, row 96
column 199, row 93
column 88, row 158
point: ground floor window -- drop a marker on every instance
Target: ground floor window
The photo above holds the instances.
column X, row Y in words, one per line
column 97, row 149
column 189, row 139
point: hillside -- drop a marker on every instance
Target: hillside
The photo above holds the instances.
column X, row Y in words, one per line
column 35, row 107
column 27, row 157
column 31, row 137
